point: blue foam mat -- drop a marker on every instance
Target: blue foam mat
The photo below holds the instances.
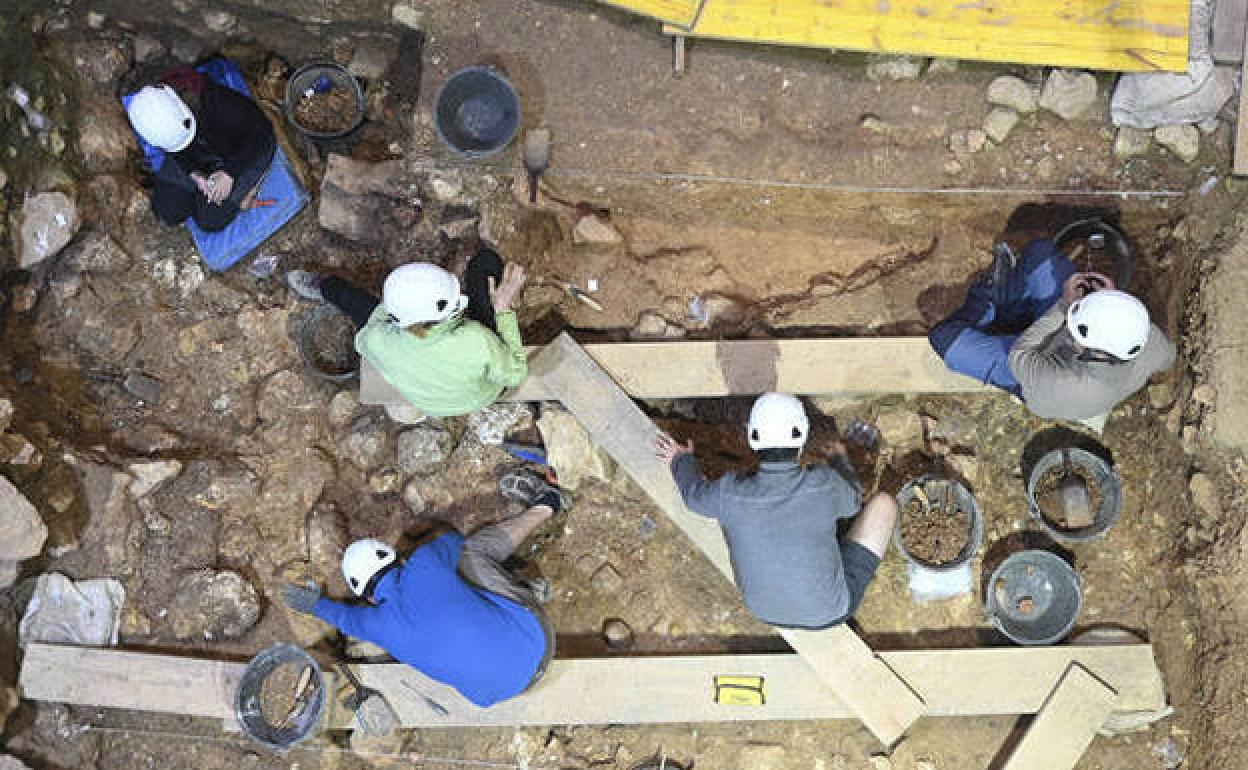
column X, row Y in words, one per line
column 221, row 250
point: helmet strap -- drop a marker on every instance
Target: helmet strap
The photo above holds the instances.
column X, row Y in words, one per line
column 376, row 578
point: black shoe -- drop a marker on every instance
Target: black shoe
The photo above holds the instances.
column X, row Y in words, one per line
column 529, row 489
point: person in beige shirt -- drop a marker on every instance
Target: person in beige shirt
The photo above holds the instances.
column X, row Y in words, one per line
column 1094, row 348
column 1069, row 344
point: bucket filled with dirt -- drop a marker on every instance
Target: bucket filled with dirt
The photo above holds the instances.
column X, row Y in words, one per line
column 326, row 341
column 280, row 696
column 324, row 101
column 940, row 526
column 1034, row 598
column 1074, row 494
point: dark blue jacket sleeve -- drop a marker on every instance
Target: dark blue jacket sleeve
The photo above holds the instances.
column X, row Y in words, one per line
column 701, row 496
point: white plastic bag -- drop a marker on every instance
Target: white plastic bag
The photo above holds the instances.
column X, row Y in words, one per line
column 73, row 612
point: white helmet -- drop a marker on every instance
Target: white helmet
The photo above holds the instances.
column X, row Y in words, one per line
column 420, row 293
column 1111, row 321
column 362, row 560
column 160, row 116
column 778, row 421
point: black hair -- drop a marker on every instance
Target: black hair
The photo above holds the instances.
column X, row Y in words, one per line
column 779, row 455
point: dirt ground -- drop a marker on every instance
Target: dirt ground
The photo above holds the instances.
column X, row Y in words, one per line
column 782, row 188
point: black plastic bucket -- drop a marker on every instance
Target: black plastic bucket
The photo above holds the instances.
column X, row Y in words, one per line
column 476, row 112
column 316, row 77
column 247, row 705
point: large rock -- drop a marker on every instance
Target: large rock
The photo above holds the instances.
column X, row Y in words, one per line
column 892, row 67
column 98, row 253
column 423, row 449
column 1015, row 93
column 327, row 538
column 1132, row 142
column 492, row 424
column 148, row 476
column 592, row 228
column 373, row 56
column 22, row 531
column 569, row 449
column 1183, row 141
column 1205, row 495
column 365, row 445
column 1069, row 93
column 356, row 196
column 901, row 429
column 104, row 135
column 101, row 61
column 111, row 515
column 45, row 224
column 999, row 123
column 209, row 604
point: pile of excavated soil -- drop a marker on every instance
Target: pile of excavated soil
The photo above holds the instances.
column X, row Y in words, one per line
column 326, row 113
column 933, row 535
column 1049, row 495
column 278, row 692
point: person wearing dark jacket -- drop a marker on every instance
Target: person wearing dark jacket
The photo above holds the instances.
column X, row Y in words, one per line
column 218, row 146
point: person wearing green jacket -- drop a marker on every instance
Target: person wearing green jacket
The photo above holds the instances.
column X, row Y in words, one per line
column 448, row 353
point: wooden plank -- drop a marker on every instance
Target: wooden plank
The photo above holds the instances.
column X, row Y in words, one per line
column 167, row 684
column 1240, row 165
column 1066, row 724
column 1128, row 36
column 711, row 368
column 880, row 698
column 608, row 690
column 1230, row 18
column 677, row 12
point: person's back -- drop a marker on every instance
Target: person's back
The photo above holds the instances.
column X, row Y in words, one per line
column 1058, row 379
column 780, row 523
column 781, row 528
column 455, row 367
column 426, row 615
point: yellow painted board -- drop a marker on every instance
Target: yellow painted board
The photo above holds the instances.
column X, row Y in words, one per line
column 680, row 13
column 1129, row 36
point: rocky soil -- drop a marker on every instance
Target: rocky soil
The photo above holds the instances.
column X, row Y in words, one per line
column 158, row 426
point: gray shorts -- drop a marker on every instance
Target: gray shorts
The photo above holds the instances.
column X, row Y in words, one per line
column 481, row 564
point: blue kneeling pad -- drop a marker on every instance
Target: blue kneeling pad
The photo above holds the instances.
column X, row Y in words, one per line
column 253, row 227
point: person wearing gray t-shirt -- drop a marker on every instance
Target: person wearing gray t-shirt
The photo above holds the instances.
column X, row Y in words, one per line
column 781, row 522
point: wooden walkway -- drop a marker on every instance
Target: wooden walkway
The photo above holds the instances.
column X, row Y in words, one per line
column 1127, row 36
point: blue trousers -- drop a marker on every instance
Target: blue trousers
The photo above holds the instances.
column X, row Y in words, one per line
column 976, row 339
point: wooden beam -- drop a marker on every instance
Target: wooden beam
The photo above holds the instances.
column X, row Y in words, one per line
column 881, row 699
column 1066, row 724
column 1240, row 165
column 608, row 690
column 710, row 368
column 1230, row 19
column 1136, row 36
column 678, row 12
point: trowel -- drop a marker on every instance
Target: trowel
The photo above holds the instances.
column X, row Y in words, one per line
column 536, row 157
column 1073, row 493
column 373, row 712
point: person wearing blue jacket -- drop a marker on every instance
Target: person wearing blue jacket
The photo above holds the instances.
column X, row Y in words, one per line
column 451, row 609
